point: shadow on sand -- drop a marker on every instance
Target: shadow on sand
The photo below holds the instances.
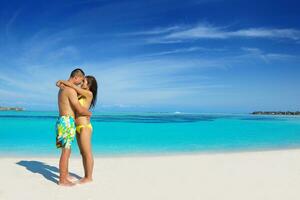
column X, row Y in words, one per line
column 47, row 171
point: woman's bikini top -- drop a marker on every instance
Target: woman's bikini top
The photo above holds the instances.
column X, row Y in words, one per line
column 82, row 100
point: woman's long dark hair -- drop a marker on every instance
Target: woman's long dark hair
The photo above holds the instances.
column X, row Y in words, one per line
column 92, row 84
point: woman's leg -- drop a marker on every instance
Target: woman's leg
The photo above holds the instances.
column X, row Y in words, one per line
column 84, row 143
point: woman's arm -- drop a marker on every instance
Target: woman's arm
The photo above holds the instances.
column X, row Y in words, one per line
column 79, row 90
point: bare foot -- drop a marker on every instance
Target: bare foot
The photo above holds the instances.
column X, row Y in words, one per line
column 65, row 183
column 85, row 180
column 71, row 178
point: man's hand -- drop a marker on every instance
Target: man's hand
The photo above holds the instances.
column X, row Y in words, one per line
column 89, row 116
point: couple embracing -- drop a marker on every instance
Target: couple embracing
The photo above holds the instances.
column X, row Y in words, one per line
column 75, row 97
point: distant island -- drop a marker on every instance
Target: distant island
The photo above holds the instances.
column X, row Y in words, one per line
column 11, row 108
column 275, row 113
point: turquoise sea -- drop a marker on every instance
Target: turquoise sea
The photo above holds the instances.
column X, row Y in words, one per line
column 33, row 133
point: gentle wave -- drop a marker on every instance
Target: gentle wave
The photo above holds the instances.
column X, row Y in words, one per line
column 153, row 118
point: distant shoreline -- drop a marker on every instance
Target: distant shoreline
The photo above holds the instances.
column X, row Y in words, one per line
column 11, row 109
column 275, row 113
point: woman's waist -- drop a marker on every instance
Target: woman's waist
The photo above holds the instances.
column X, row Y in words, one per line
column 82, row 120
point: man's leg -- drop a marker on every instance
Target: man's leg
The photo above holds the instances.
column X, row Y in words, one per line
column 63, row 167
column 84, row 143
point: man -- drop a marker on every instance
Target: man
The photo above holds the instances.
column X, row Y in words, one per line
column 68, row 105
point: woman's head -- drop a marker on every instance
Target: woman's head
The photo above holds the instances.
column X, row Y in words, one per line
column 90, row 83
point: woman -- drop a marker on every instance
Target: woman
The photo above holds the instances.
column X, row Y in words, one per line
column 87, row 96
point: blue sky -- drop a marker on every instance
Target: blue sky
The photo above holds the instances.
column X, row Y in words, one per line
column 192, row 55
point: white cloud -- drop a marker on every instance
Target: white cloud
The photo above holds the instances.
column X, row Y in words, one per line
column 153, row 81
column 267, row 33
column 183, row 51
column 252, row 50
column 176, row 51
column 200, row 31
column 155, row 31
column 267, row 57
column 208, row 31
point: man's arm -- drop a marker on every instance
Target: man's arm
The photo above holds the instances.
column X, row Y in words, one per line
column 75, row 103
column 79, row 90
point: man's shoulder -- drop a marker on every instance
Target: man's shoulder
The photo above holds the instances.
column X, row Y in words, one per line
column 68, row 91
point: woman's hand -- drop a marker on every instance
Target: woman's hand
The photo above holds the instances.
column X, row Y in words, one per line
column 60, row 84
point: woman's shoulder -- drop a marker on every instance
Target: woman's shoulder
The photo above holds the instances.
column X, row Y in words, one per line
column 90, row 94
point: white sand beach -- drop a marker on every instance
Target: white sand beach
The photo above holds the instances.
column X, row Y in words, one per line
column 234, row 176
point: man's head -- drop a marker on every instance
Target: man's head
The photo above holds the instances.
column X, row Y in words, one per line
column 77, row 76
